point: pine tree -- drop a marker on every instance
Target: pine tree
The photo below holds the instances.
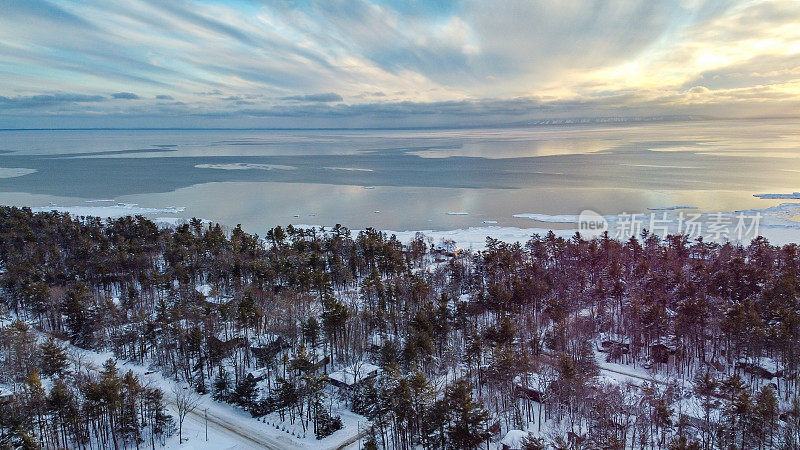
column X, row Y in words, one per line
column 765, row 414
column 706, row 387
column 246, row 392
column 54, row 358
column 60, row 403
column 311, row 331
column 467, row 427
column 78, row 316
column 222, row 386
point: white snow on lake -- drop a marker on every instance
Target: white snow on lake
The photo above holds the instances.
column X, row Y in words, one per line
column 558, row 218
column 13, row 172
column 793, row 196
column 118, row 210
column 659, row 166
column 670, row 208
column 349, row 169
column 775, row 224
column 245, row 166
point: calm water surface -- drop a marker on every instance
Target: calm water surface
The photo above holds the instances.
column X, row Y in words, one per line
column 406, row 179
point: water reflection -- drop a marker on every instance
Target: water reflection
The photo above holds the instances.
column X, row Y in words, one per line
column 407, row 179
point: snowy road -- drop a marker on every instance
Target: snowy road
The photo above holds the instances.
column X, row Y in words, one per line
column 225, row 430
column 226, row 434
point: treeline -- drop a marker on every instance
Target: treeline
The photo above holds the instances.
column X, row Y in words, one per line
column 469, row 344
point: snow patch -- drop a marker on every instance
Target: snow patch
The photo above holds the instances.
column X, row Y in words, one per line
column 349, row 169
column 245, row 166
column 547, row 218
column 670, row 208
column 792, row 196
column 14, row 172
column 118, row 210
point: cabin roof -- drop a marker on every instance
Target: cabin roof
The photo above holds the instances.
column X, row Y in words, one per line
column 514, row 438
column 352, row 374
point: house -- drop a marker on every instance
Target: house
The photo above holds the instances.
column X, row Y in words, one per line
column 611, row 345
column 265, row 353
column 662, row 353
column 754, row 369
column 222, row 349
column 446, row 248
column 353, row 374
column 523, row 388
column 514, row 440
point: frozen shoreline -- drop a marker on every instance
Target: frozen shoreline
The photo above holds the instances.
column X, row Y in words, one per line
column 775, row 223
column 111, row 211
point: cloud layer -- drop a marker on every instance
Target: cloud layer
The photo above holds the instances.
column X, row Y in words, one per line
column 358, row 62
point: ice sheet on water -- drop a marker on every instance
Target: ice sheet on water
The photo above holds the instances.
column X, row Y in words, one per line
column 548, row 218
column 245, row 166
column 118, row 210
column 792, row 196
column 670, row 208
column 13, row 172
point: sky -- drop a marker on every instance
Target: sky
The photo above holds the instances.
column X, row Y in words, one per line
column 392, row 63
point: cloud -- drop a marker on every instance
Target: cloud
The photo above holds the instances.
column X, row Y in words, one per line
column 38, row 101
column 321, row 98
column 41, row 10
column 125, row 96
column 466, row 60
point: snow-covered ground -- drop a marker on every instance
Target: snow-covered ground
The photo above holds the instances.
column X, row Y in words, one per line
column 229, row 427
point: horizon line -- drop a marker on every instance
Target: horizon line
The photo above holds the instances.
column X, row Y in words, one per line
column 577, row 121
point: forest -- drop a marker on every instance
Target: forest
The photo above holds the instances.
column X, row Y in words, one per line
column 576, row 343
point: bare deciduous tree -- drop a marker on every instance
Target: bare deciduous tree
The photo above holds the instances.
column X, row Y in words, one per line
column 186, row 400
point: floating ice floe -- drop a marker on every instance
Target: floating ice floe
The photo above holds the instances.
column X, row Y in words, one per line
column 245, row 166
column 14, row 172
column 548, row 218
column 349, row 169
column 792, row 196
column 670, row 208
